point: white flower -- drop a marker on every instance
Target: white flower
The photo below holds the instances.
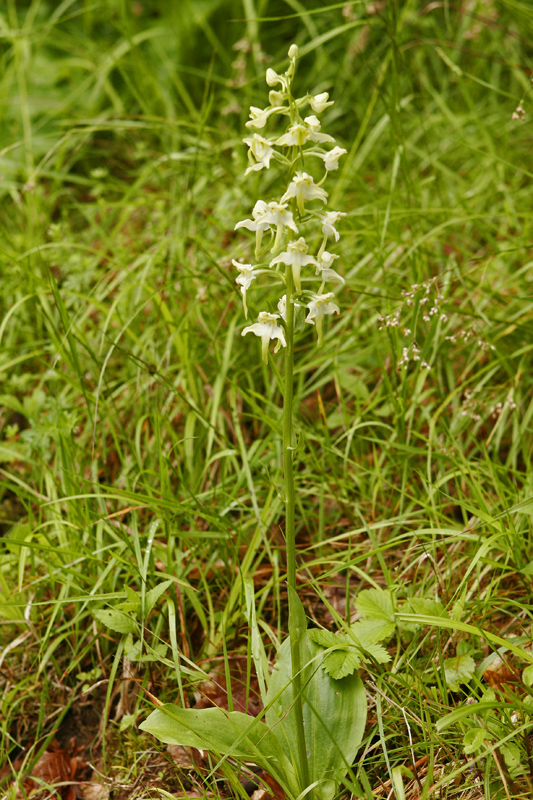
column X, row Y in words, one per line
column 320, row 102
column 267, row 329
column 331, row 159
column 323, row 267
column 293, row 51
column 267, row 214
column 328, row 223
column 272, row 78
column 296, row 257
column 319, row 306
column 303, row 187
column 282, row 307
column 259, row 224
column 259, row 116
column 244, row 279
column 261, row 150
column 302, row 132
column 276, row 98
column 314, row 125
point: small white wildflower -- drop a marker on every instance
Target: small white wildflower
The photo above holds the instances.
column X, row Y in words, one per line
column 296, row 257
column 320, row 102
column 323, row 267
column 260, row 223
column 331, row 159
column 328, row 223
column 245, row 279
column 303, row 187
column 267, row 328
column 260, row 150
column 282, row 307
column 259, row 116
column 319, row 306
column 314, row 126
column 272, row 78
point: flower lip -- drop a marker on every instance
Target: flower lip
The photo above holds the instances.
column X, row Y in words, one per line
column 267, row 328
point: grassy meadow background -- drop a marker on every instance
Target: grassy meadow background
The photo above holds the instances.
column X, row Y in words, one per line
column 140, row 434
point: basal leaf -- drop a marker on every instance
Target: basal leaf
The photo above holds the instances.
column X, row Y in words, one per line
column 459, row 670
column 116, row 620
column 227, row 733
column 474, row 738
column 334, row 714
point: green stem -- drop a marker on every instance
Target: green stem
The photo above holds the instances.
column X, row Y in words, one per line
column 294, row 632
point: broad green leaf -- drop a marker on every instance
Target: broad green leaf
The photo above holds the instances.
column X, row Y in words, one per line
column 132, row 650
column 325, row 638
column 228, row 733
column 116, row 620
column 511, row 754
column 378, row 653
column 341, row 663
column 527, row 675
column 133, row 602
column 474, row 739
column 369, row 631
column 459, row 670
column 427, row 607
column 154, row 594
column 334, row 714
column 375, row 603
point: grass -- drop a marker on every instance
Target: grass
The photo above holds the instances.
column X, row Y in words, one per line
column 141, row 435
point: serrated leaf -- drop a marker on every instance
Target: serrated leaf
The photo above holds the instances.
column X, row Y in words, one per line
column 378, row 653
column 341, row 663
column 459, row 670
column 474, row 739
column 156, row 653
column 325, row 638
column 527, row 675
column 132, row 650
column 116, row 620
column 154, row 594
column 370, row 631
column 427, row 607
column 375, row 604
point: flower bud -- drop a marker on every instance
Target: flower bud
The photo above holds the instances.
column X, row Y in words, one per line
column 272, row 77
column 293, row 51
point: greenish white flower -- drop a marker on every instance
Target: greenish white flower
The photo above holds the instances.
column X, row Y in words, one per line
column 293, row 52
column 303, row 188
column 260, row 223
column 260, row 150
column 267, row 328
column 328, row 223
column 314, row 125
column 245, row 278
column 259, row 116
column 320, row 102
column 302, row 132
column 331, row 159
column 295, row 257
column 323, row 267
column 272, row 78
column 282, row 307
column 319, row 306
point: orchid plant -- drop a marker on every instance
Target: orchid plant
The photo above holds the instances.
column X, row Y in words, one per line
column 314, row 702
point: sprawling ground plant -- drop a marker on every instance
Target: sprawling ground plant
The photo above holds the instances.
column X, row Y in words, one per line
column 142, row 499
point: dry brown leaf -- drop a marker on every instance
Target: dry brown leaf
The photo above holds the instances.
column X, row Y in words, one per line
column 94, row 790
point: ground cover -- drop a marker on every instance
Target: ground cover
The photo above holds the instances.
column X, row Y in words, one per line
column 141, row 475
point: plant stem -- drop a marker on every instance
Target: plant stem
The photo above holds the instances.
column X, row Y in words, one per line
column 294, row 632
